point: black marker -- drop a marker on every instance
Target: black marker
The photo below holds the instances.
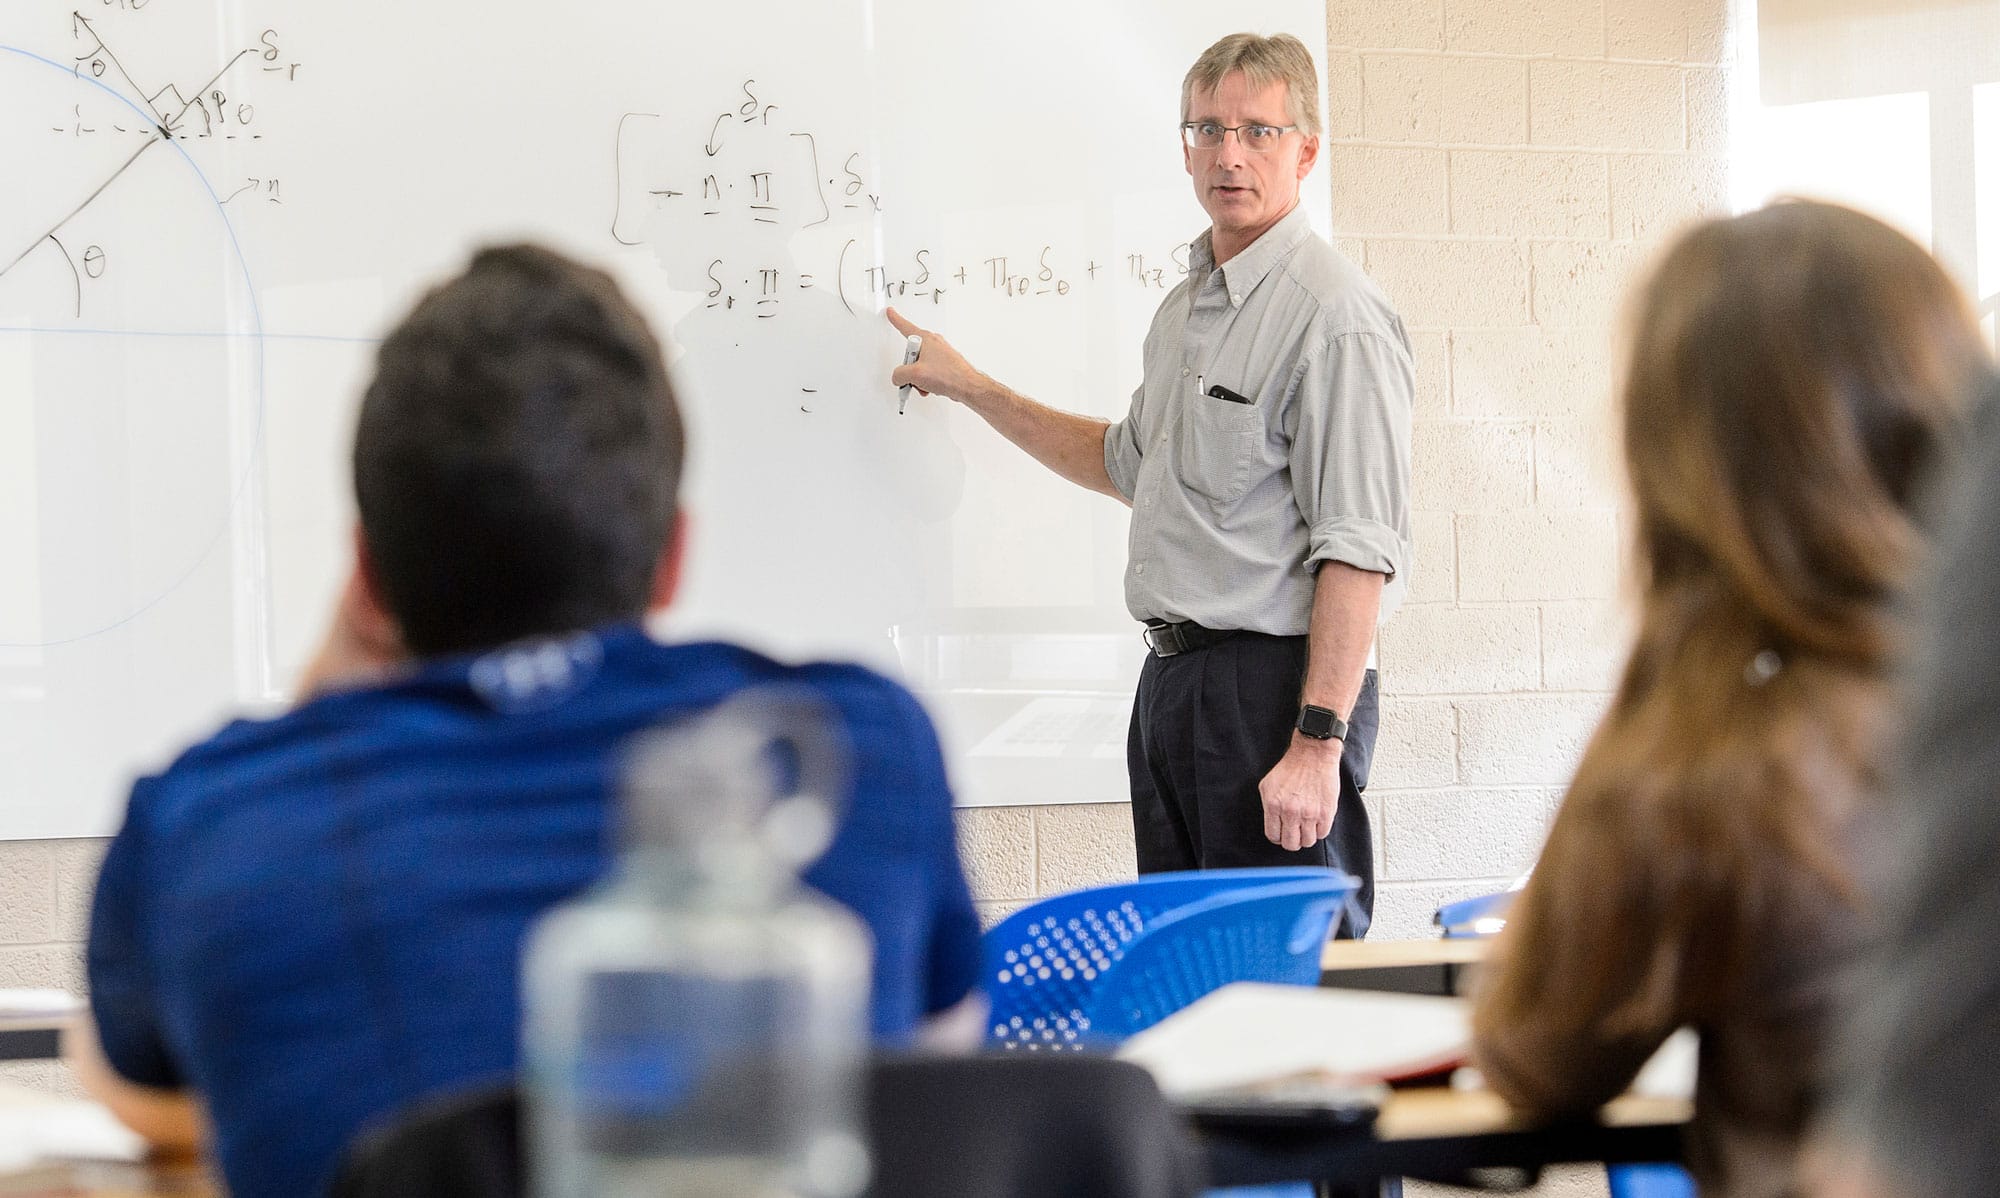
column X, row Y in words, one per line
column 1221, row 392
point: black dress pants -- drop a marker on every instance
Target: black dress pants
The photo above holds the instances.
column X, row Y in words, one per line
column 1207, row 725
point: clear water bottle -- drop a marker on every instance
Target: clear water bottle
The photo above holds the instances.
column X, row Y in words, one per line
column 696, row 1025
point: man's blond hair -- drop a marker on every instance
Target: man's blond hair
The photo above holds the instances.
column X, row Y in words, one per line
column 1280, row 58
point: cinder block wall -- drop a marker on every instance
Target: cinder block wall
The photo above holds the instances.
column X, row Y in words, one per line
column 45, row 890
column 44, row 910
column 1501, row 167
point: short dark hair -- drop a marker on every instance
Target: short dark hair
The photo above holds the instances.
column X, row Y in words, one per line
column 518, row 456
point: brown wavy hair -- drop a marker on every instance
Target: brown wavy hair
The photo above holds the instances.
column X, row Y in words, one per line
column 1794, row 376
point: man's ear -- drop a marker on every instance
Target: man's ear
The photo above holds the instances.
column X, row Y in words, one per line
column 363, row 641
column 1308, row 154
column 667, row 572
column 368, row 614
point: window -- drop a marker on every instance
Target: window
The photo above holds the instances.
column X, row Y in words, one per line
column 1891, row 106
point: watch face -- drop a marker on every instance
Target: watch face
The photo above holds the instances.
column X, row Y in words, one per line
column 1318, row 722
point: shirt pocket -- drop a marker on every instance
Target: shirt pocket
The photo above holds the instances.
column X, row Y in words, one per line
column 1217, row 447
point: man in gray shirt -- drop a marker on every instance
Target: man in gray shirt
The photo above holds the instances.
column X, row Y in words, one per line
column 1266, row 459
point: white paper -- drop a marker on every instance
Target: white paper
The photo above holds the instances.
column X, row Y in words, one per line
column 1250, row 1032
column 36, row 1131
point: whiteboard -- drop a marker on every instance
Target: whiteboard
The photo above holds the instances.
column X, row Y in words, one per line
column 187, row 321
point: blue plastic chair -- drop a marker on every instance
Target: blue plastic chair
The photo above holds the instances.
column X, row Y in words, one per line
column 1649, row 1181
column 1476, row 917
column 1090, row 968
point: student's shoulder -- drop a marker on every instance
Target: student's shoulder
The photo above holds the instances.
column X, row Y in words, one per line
column 243, row 760
column 261, row 749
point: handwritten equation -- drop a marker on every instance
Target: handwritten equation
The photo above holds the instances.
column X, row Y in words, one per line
column 750, row 168
column 754, row 172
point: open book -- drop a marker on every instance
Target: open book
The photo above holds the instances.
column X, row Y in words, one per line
column 1250, row 1034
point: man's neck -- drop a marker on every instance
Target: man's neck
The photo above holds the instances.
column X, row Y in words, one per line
column 1224, row 245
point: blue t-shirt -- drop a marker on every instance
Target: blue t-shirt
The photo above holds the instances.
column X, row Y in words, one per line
column 315, row 920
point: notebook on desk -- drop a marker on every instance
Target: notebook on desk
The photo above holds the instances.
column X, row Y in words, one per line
column 1250, row 1036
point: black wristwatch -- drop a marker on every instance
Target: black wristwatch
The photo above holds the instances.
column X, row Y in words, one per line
column 1321, row 724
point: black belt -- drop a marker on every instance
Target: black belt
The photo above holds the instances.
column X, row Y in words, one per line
column 1166, row 639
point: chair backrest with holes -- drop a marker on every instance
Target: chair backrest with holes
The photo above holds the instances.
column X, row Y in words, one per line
column 1089, row 968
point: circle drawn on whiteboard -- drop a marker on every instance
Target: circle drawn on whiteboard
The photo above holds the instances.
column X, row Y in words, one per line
column 129, row 325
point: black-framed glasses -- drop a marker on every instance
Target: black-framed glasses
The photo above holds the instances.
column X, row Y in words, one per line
column 1208, row 135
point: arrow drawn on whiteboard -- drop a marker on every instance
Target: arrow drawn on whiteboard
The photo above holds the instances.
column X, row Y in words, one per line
column 79, row 19
column 618, row 173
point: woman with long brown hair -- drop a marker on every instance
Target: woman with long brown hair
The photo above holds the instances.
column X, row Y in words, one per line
column 1794, row 376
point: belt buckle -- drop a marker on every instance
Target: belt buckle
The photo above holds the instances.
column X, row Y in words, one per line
column 1164, row 640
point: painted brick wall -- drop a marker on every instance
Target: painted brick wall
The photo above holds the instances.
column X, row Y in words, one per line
column 1501, row 167
column 44, row 909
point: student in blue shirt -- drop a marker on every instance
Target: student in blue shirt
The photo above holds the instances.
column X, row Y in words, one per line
column 310, row 922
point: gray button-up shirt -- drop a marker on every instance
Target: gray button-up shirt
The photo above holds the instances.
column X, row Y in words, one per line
column 1234, row 505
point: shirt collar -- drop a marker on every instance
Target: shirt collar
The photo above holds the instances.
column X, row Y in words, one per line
column 1241, row 274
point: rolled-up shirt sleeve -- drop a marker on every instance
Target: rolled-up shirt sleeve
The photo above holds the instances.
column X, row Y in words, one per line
column 1121, row 448
column 1351, row 451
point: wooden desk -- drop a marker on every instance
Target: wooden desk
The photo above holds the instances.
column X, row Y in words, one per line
column 1404, row 966
column 112, row 1181
column 1438, row 1133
